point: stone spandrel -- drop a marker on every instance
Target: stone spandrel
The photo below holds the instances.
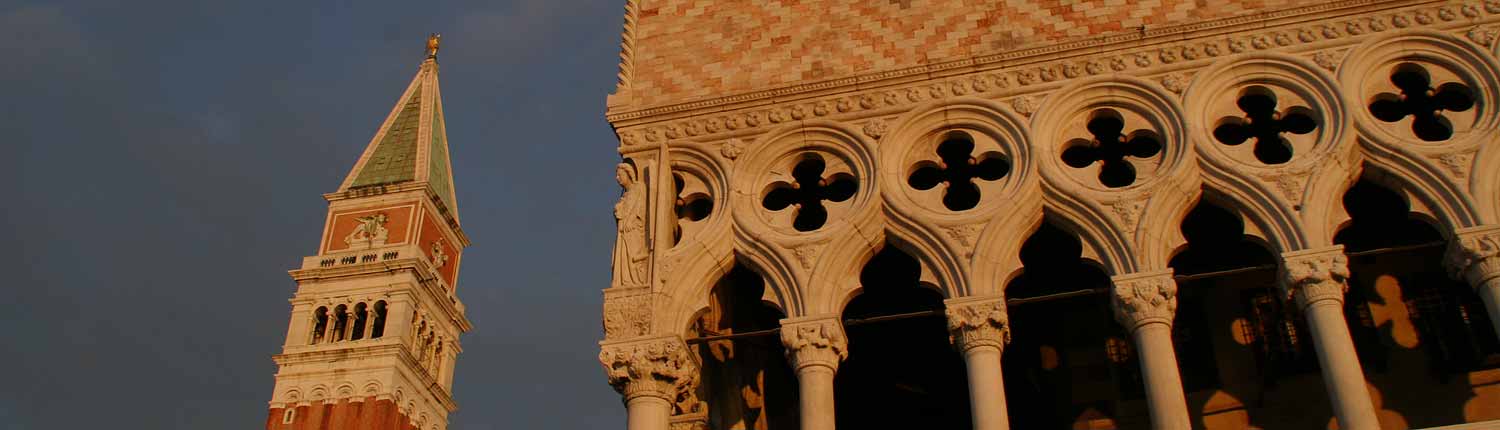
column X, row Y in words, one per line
column 679, row 50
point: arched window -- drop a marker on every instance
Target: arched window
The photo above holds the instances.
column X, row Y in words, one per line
column 288, row 416
column 377, row 328
column 320, row 325
column 340, row 323
column 361, row 319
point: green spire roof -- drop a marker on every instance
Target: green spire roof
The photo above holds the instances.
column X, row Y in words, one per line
column 412, row 145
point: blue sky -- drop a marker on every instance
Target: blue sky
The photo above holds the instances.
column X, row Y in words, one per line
column 166, row 162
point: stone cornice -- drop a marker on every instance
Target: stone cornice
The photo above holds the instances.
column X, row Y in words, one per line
column 1474, row 254
column 814, row 342
column 1038, row 68
column 1314, row 275
column 344, row 352
column 978, row 322
column 1144, row 298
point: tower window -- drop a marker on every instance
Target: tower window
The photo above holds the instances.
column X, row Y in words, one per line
column 288, row 416
column 320, row 325
column 378, row 328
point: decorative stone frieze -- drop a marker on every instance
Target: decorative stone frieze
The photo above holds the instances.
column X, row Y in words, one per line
column 658, row 367
column 974, row 323
column 1132, row 56
column 816, row 341
column 1144, row 298
column 627, row 313
column 1474, row 255
column 1314, row 275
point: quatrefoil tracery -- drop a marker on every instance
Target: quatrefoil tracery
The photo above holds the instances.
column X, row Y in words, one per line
column 808, row 191
column 1264, row 123
column 1421, row 101
column 1110, row 147
column 958, row 169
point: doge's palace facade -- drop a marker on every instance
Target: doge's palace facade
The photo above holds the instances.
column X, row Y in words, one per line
column 792, row 141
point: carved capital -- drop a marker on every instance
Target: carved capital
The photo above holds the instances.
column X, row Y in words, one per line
column 1143, row 298
column 974, row 323
column 1315, row 275
column 816, row 341
column 657, row 367
column 1474, row 255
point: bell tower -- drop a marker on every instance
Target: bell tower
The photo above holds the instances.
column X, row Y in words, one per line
column 375, row 322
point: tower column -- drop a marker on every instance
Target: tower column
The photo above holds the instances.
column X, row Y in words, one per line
column 1474, row 256
column 348, row 333
column 651, row 373
column 333, row 321
column 815, row 346
column 1317, row 280
column 369, row 331
column 979, row 328
column 1146, row 303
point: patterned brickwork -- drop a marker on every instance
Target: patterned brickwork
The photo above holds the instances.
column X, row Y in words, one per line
column 694, row 49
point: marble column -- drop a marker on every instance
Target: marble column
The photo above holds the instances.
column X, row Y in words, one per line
column 1317, row 280
column 980, row 328
column 1474, row 256
column 333, row 320
column 815, row 346
column 369, row 329
column 348, row 333
column 1145, row 303
column 652, row 374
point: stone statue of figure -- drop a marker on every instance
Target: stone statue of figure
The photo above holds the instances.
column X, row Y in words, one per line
column 370, row 231
column 630, row 222
column 439, row 259
column 433, row 40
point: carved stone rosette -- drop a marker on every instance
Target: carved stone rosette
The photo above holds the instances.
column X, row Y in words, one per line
column 1143, row 298
column 974, row 323
column 1315, row 275
column 1474, row 255
column 814, row 342
column 658, row 367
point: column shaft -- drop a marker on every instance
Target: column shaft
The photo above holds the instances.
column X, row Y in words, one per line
column 1490, row 293
column 815, row 346
column 648, row 413
column 1317, row 279
column 1163, row 382
column 980, row 328
column 1342, row 375
column 815, row 385
column 1145, row 303
column 986, row 389
column 369, row 330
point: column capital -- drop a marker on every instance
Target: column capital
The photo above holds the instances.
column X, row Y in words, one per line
column 1474, row 254
column 978, row 322
column 814, row 341
column 1314, row 275
column 660, row 367
column 1144, row 298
